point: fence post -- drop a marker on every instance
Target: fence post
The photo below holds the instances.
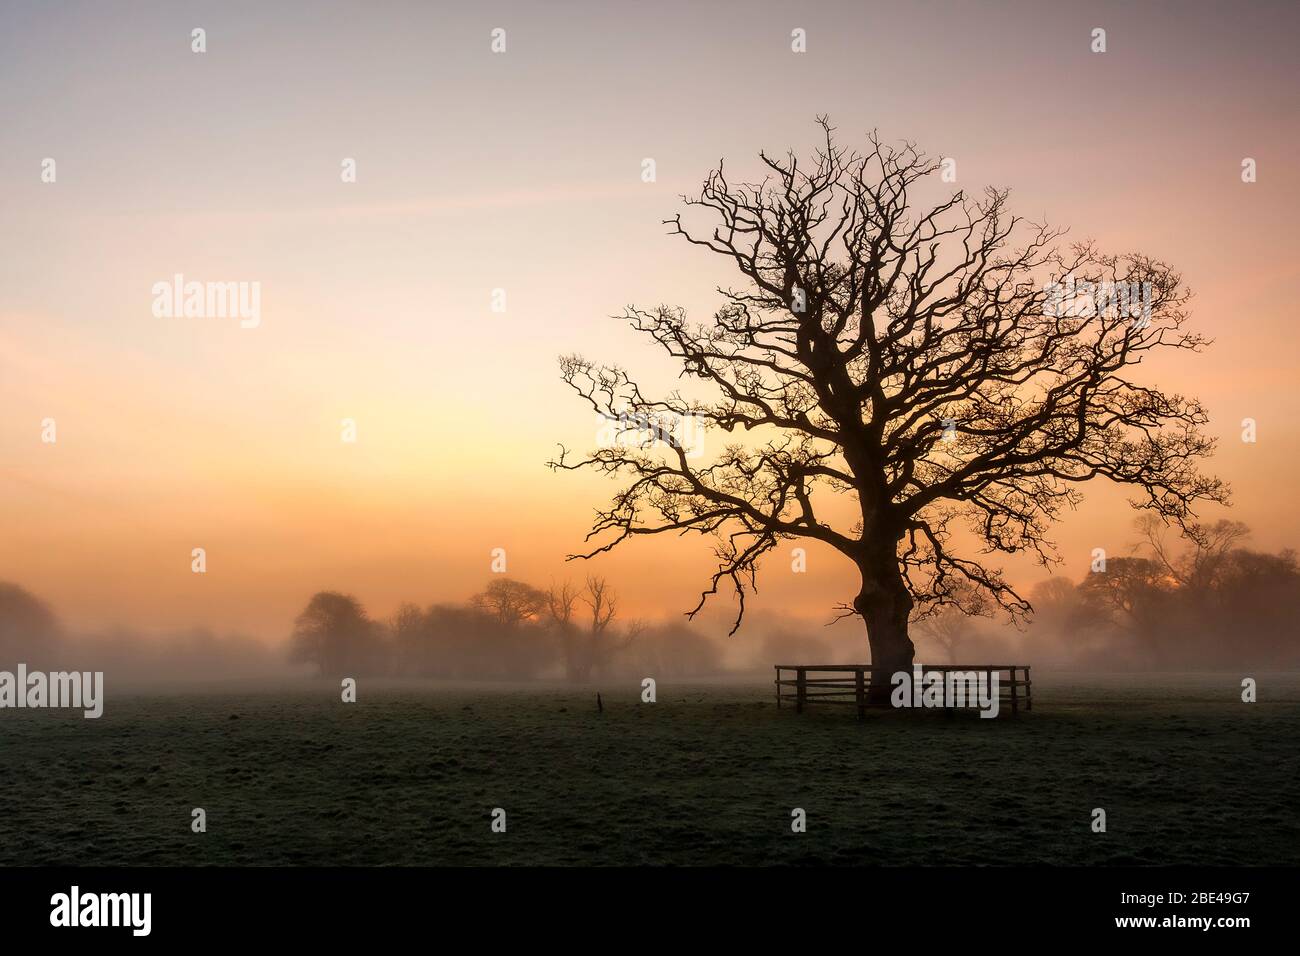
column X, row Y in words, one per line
column 1015, row 703
column 778, row 688
column 862, row 693
column 1029, row 691
column 801, row 689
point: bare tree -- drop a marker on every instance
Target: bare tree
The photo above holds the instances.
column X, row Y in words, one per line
column 919, row 363
column 950, row 624
column 1200, row 564
column 409, row 628
column 1131, row 593
column 590, row 648
column 560, row 601
column 603, row 604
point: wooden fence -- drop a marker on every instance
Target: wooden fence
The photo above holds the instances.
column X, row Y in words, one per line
column 849, row 683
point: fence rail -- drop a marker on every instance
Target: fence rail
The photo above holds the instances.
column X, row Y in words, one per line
column 850, row 684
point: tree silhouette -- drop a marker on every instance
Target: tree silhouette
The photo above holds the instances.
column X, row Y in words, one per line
column 334, row 633
column 587, row 647
column 512, row 603
column 920, row 364
column 29, row 630
column 1202, row 564
column 950, row 624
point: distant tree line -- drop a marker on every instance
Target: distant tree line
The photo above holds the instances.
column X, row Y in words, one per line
column 1203, row 601
column 508, row 631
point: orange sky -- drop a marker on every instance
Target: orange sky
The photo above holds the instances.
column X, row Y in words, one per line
column 522, row 171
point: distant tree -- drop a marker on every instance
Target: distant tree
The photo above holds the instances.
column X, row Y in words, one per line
column 459, row 642
column 1056, row 596
column 1065, row 629
column 409, row 629
column 1206, row 554
column 919, row 362
column 1131, row 592
column 560, row 603
column 510, row 602
column 510, row 641
column 29, row 631
column 950, row 623
column 673, row 651
column 1060, row 608
column 587, row 644
column 334, row 633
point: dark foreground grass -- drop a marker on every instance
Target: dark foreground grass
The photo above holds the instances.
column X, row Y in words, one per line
column 707, row 775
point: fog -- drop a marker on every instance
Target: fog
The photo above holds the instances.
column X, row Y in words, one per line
column 1203, row 604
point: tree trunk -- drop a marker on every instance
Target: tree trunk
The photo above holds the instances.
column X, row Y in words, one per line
column 577, row 659
column 885, row 605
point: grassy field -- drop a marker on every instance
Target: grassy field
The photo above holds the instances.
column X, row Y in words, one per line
column 707, row 775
